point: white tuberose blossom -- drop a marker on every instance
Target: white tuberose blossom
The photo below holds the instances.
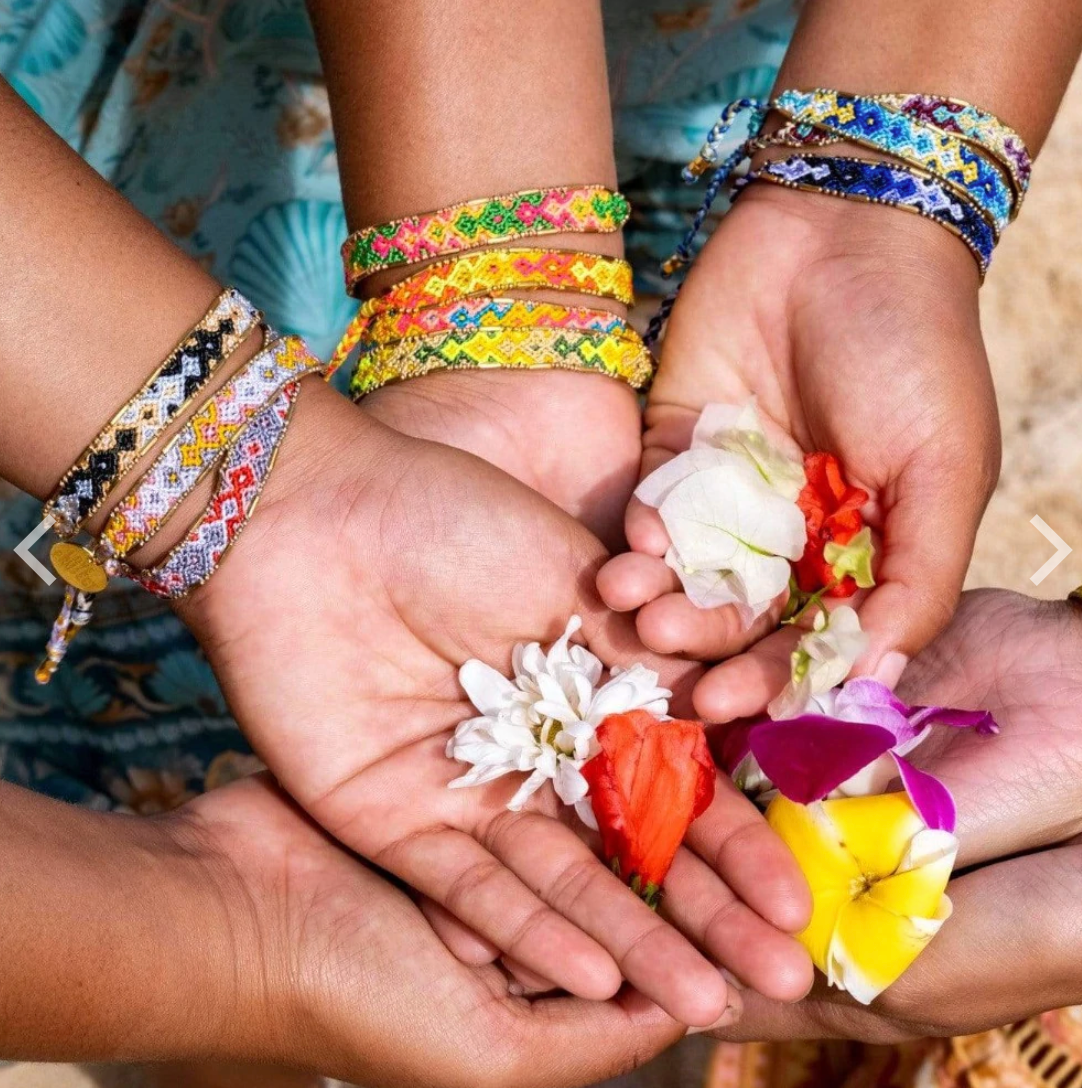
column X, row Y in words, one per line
column 729, row 506
column 543, row 721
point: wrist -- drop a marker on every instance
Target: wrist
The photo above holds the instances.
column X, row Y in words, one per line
column 830, row 229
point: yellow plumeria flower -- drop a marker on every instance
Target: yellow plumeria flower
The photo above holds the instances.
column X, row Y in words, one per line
column 878, row 877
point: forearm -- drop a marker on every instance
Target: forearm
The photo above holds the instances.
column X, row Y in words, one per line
column 94, row 297
column 115, row 945
column 437, row 103
column 1009, row 57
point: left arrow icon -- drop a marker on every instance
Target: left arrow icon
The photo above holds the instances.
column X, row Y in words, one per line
column 22, row 550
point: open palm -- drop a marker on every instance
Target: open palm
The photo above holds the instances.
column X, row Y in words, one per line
column 337, row 628
column 856, row 329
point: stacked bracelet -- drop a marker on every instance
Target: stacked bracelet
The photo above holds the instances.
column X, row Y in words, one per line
column 239, row 431
column 621, row 356
column 477, row 223
column 451, row 314
column 144, row 418
column 874, row 124
column 948, row 160
column 883, row 183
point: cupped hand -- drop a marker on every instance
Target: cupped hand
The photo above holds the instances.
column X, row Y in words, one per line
column 574, row 438
column 375, row 566
column 856, row 328
column 1013, row 944
column 338, row 972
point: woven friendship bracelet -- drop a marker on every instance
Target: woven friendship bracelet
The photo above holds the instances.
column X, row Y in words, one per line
column 241, row 480
column 192, row 453
column 475, row 313
column 884, row 183
column 138, row 425
column 475, row 274
column 874, row 124
column 506, row 269
column 534, row 212
column 971, row 123
column 625, row 358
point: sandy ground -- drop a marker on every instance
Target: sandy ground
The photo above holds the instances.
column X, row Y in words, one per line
column 1032, row 313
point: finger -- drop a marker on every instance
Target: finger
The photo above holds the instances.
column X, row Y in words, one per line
column 736, row 842
column 457, row 872
column 673, row 625
column 652, row 955
column 463, row 943
column 644, row 529
column 628, row 581
column 929, row 528
column 742, row 686
column 700, row 904
column 524, row 982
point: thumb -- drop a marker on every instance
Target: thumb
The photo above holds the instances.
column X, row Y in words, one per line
column 589, row 1041
column 930, row 520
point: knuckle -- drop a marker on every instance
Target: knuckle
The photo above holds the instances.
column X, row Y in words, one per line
column 574, row 884
column 717, row 921
column 639, row 945
column 466, row 884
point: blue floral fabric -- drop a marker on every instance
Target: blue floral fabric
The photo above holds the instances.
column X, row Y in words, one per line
column 211, row 116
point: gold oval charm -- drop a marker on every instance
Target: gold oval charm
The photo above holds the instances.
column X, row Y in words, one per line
column 78, row 568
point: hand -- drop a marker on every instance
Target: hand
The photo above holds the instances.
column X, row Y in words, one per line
column 857, row 329
column 574, row 438
column 338, row 972
column 375, row 566
column 1018, row 791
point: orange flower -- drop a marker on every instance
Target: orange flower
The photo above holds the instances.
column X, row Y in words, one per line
column 650, row 780
column 831, row 509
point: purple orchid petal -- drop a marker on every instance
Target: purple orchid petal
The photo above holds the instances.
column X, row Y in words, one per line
column 981, row 720
column 730, row 743
column 867, row 700
column 931, row 799
column 809, row 756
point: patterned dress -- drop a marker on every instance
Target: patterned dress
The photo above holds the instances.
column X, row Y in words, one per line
column 211, row 116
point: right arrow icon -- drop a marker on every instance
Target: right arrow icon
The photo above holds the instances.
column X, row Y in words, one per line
column 1063, row 549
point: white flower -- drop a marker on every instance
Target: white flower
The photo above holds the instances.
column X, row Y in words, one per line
column 728, row 505
column 543, row 722
column 739, row 431
column 821, row 661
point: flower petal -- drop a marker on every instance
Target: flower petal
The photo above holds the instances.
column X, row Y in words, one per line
column 877, row 831
column 809, row 756
column 929, row 796
column 981, row 720
column 656, row 487
column 713, row 511
column 487, row 689
column 569, row 783
column 527, row 790
column 873, row 947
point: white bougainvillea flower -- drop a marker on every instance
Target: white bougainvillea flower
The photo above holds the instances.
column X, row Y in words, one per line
column 723, row 433
column 821, row 661
column 542, row 722
column 733, row 537
column 740, row 431
column 728, row 504
column 878, row 877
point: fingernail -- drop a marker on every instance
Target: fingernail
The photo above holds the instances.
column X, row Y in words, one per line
column 890, row 668
column 730, row 1016
column 731, row 979
column 516, row 989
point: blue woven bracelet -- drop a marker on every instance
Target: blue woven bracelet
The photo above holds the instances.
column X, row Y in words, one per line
column 876, row 125
column 884, row 183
